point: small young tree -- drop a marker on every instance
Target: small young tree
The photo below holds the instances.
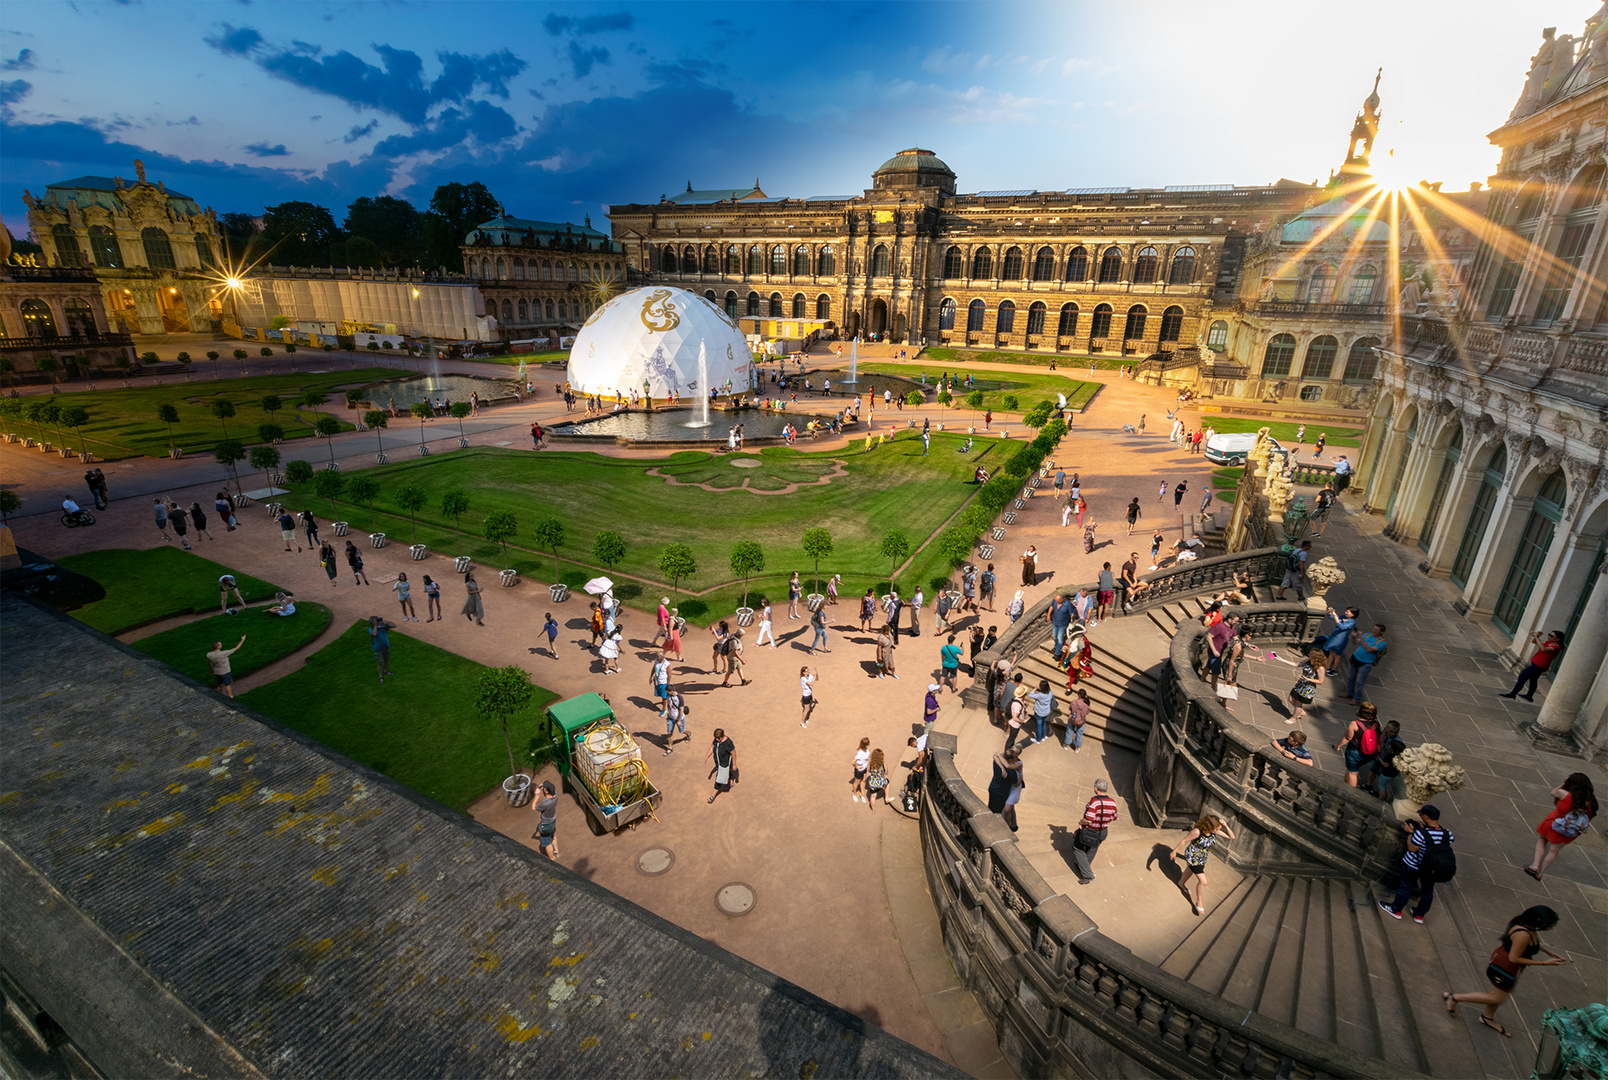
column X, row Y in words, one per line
column 269, row 433
column 914, row 398
column 328, row 484
column 212, row 355
column 122, row 363
column 501, row 526
column 311, row 401
column 10, row 503
column 10, row 412
column 895, row 546
column 423, row 411
column 240, row 355
column 266, row 351
column 373, row 346
column 378, row 420
column 502, row 692
column 169, row 415
column 455, row 504
column 945, row 398
column 608, row 548
column 412, row 497
column 223, row 409
column 265, row 459
column 459, row 410
column 354, row 397
column 747, row 559
column 75, row 417
column 1010, row 403
column 329, row 427
column 1039, row 415
column 298, row 473
column 549, row 536
column 271, row 403
column 363, row 489
column 817, row 545
column 229, row 452
column 677, row 561
column 955, row 544
column 185, row 361
column 49, row 365
column 39, row 412
column 974, row 401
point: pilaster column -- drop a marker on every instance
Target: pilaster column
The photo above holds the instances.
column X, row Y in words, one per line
column 1581, row 665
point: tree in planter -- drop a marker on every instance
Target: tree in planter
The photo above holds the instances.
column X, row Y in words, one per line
column 329, row 427
column 312, row 400
column 10, row 411
column 945, row 398
column 500, row 528
column 124, row 365
column 502, row 692
column 817, row 545
column 266, row 459
column 150, row 358
column 895, row 546
column 297, row 473
column 266, row 351
column 459, row 410
column 271, row 403
column 328, row 484
column 49, row 365
column 229, row 452
column 42, row 411
column 1010, row 403
column 412, row 497
column 10, row 503
column 240, row 355
column 223, row 409
column 377, row 419
column 549, row 536
column 169, row 415
column 747, row 559
column 955, row 544
column 184, row 361
column 422, row 410
column 363, row 489
column 213, row 356
column 269, row 433
column 608, row 548
column 915, row 397
column 1039, row 415
column 676, row 561
column 455, row 504
column 75, row 417
column 974, row 401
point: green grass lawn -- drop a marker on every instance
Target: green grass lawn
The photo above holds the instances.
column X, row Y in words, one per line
column 532, row 359
column 1069, row 361
column 123, row 422
column 144, row 586
column 1284, row 432
column 268, row 638
column 420, row 728
column 1029, row 387
column 891, row 487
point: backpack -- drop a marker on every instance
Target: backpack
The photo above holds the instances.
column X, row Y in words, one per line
column 1292, row 561
column 1368, row 737
column 1438, row 862
column 1571, row 824
column 725, row 646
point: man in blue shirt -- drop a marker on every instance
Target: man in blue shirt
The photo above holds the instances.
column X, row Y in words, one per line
column 949, row 660
column 1342, row 474
column 1060, row 616
column 1369, row 652
column 382, row 645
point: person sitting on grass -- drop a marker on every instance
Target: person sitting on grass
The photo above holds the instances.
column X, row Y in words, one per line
column 283, row 605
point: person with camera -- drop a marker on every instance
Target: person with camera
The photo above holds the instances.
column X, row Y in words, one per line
column 1428, row 862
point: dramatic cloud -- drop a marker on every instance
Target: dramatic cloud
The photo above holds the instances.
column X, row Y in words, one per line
column 582, row 60
column 23, row 62
column 482, row 120
column 590, row 24
column 14, row 91
column 262, row 150
column 236, row 41
column 396, row 87
column 359, row 131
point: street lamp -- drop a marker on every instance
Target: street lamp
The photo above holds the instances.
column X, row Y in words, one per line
column 1296, row 519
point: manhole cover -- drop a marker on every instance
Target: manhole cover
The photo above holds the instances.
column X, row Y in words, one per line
column 655, row 860
column 744, row 463
column 735, row 899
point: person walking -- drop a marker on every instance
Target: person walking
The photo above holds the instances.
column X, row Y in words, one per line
column 794, row 591
column 226, row 587
column 95, row 491
column 1105, row 595
column 1155, row 547
column 876, row 780
column 659, row 680
column 546, row 805
column 661, row 621
column 1520, row 943
column 1206, row 499
column 868, row 609
column 609, row 651
column 595, row 624
column 198, row 519
column 329, row 561
column 381, row 641
column 1361, row 740
column 162, row 520
column 1538, row 665
column 1371, row 648
column 734, row 659
column 949, row 663
column 1306, row 684
column 1066, row 514
column 1043, row 701
column 765, row 627
column 1077, row 718
column 179, row 523
column 1295, row 568
column 968, row 589
column 806, row 693
column 1133, row 514
column 1574, row 804
column 1005, row 789
column 818, row 622
column 1317, row 449
column 1030, row 566
column 432, row 600
column 892, row 606
column 1196, row 848
column 218, row 660
column 404, row 596
column 674, row 644
column 1427, row 862
column 1178, row 494
column 223, row 506
column 473, row 607
column 354, row 559
column 287, row 530
column 1325, row 507
column 1098, row 817
column 1016, row 607
column 862, row 762
column 724, row 753
column 675, row 717
column 1141, row 423
column 986, row 584
column 310, row 527
column 1342, row 474
column 1059, row 616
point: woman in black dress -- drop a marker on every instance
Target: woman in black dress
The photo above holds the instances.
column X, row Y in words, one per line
column 722, row 750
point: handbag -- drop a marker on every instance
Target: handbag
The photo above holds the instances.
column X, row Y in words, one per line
column 1081, row 841
column 1227, row 691
column 734, row 774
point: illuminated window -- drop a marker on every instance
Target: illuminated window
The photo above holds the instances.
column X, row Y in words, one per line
column 1077, row 265
column 103, row 247
column 1217, row 336
column 67, row 252
column 1321, row 288
column 37, row 321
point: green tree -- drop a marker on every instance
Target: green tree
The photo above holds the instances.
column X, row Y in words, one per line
column 297, row 233
column 265, row 459
column 329, row 427
column 955, row 544
column 1010, row 403
column 677, row 561
column 42, row 411
column 363, row 489
column 896, row 546
column 122, row 363
column 501, row 526
column 328, row 484
column 266, row 351
column 297, row 473
column 361, row 251
column 608, row 548
column 389, row 224
column 10, row 412
column 269, row 432
column 817, row 545
column 460, row 409
column 747, row 559
column 412, row 497
column 354, row 397
column 223, row 409
column 945, row 398
column 975, row 401
column 169, row 415
column 271, row 403
column 212, row 355
column 10, row 503
column 49, row 365
column 311, row 401
column 455, row 209
column 549, row 536
column 379, row 420
column 455, row 504
column 75, row 417
column 1039, row 415
column 185, row 361
column 229, row 452
column 914, row 398
column 502, row 692
column 422, row 410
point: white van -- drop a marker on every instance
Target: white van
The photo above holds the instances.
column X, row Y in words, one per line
column 1230, row 449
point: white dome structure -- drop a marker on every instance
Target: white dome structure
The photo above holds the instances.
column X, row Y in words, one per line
column 653, row 335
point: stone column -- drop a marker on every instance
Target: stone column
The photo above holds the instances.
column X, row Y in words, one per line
column 1581, row 665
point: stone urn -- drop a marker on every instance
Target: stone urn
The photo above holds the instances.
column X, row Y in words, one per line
column 420, row 552
column 745, row 616
column 517, row 789
column 341, row 528
column 508, row 578
column 242, row 500
column 377, row 539
column 461, row 564
column 1322, row 576
column 559, row 592
column 1426, row 771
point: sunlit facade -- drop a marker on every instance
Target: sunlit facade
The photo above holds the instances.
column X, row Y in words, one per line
column 541, row 278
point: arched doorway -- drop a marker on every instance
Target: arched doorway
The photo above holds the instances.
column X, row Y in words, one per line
column 175, row 313
column 879, row 316
column 1479, row 516
column 900, row 327
column 121, row 315
column 854, row 325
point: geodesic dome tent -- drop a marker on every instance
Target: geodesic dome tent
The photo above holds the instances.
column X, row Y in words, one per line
column 653, row 335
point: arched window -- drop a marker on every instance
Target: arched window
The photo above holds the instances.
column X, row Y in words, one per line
column 1320, row 358
column 1582, row 197
column 778, row 260
column 880, row 263
column 801, row 261
column 1534, row 543
column 508, row 311
column 502, row 267
column 776, row 311
column 474, row 269
column 1479, row 517
column 524, row 311
column 1005, row 320
column 1111, row 265
column 203, row 252
column 954, row 264
column 519, row 269
column 37, row 321
column 734, row 260
column 1362, row 284
column 572, row 272
column 753, row 303
column 1044, row 265
column 826, row 262
column 982, row 263
column 563, row 311
column 1068, row 325
column 1012, row 270
column 1145, row 265
column 709, row 295
column 103, row 247
column 1134, row 329
column 80, row 316
column 1035, row 317
column 1077, row 265
column 158, row 252
column 1362, row 358
column 547, row 272
column 1321, row 288
column 711, row 261
column 947, row 309
column 689, row 264
column 485, row 268
column 1280, row 351
column 756, row 260
column 1101, row 325
column 823, row 307
column 731, row 304
column 974, row 316
column 549, row 306
column 67, row 252
column 1183, row 267
column 1172, row 323
column 800, row 306
column 1217, row 336
column 1443, row 483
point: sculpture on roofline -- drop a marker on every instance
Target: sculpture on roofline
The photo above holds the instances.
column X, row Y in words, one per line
column 1540, row 69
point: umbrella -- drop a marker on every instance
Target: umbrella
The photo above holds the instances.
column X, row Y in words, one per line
column 598, row 585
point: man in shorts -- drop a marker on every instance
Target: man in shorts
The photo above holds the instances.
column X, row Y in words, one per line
column 226, row 585
column 218, row 659
column 659, row 679
column 1217, row 639
column 1295, row 568
column 1106, row 594
column 1131, row 585
column 287, row 529
column 161, row 519
column 546, row 804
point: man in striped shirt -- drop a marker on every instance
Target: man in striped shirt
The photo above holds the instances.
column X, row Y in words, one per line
column 1098, row 816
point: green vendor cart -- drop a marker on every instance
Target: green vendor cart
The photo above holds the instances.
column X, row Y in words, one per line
column 599, row 762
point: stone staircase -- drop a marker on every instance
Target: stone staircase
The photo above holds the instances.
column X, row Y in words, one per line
column 1121, row 696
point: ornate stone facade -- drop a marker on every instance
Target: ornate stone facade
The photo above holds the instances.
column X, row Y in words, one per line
column 542, row 278
column 52, row 311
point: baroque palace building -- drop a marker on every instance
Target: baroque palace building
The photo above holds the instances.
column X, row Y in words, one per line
column 1488, row 445
column 542, row 277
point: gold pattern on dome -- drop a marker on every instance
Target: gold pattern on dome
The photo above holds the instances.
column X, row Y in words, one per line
column 592, row 318
column 658, row 313
column 591, row 349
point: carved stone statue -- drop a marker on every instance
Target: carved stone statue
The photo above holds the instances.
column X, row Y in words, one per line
column 139, row 169
column 1540, row 69
column 1563, row 58
column 1411, row 296
column 1596, row 45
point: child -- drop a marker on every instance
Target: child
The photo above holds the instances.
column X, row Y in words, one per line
column 1294, row 748
column 550, row 628
column 862, row 762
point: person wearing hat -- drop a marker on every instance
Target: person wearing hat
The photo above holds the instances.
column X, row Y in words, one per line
column 1016, row 712
column 662, row 620
column 1422, row 835
column 929, row 711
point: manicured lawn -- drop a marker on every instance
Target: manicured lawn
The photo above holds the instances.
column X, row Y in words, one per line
column 124, row 423
column 1284, row 432
column 1069, row 361
column 144, row 586
column 1029, row 387
column 268, row 638
column 532, row 359
column 420, row 728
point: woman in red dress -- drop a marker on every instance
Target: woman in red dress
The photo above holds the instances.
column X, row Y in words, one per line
column 1574, row 805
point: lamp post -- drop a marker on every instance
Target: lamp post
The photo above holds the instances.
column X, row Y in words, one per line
column 1297, row 519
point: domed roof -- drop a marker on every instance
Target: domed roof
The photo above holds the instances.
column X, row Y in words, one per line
column 914, row 160
column 1319, row 221
column 654, row 335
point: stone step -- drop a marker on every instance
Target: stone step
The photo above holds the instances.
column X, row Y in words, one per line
column 1393, row 1012
column 1280, row 987
column 1353, row 1010
column 1249, row 974
column 1314, row 1004
column 1264, row 899
column 1187, row 954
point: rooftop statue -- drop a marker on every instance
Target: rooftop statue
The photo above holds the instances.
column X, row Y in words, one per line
column 1540, row 70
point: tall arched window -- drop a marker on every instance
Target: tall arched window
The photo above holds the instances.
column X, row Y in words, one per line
column 974, row 316
column 547, row 273
column 79, row 315
column 801, row 261
column 800, row 306
column 502, row 267
column 1362, row 284
column 667, row 261
column 776, row 310
column 563, row 311
column 823, row 307
column 881, row 264
column 1013, row 265
column 67, row 252
column 158, row 252
column 508, row 311
column 1077, row 265
column 711, row 260
column 1035, row 317
column 1100, row 325
column 954, row 264
column 1044, row 265
column 731, row 304
column 1443, row 483
column 1145, row 265
column 1479, row 517
column 1172, row 323
column 524, row 311
column 1005, row 320
column 573, row 271
column 778, row 260
column 826, row 262
column 1111, row 265
column 485, row 268
column 1583, row 197
column 756, row 260
column 1069, row 321
column 519, row 269
column 734, row 260
column 549, row 308
column 687, row 267
column 1217, row 336
column 1182, row 271
column 946, row 311
column 1276, row 361
column 203, row 252
column 1321, row 288
column 103, row 247
column 753, row 303
column 1134, row 329
column 1361, row 359
column 1534, row 544
column 1320, row 358
column 37, row 321
column 982, row 263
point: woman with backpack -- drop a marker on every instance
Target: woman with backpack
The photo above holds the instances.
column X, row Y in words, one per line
column 1361, row 740
column 876, row 781
column 1574, row 804
column 1520, row 942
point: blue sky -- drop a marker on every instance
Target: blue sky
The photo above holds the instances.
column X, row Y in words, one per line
column 561, row 109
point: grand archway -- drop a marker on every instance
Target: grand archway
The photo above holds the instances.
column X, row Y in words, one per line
column 878, row 322
column 175, row 313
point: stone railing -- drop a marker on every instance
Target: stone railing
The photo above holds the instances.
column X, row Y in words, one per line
column 1299, row 307
column 1065, row 999
column 1201, row 758
column 1588, row 355
column 1313, row 473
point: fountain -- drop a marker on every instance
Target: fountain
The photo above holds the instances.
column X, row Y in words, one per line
column 854, row 362
column 703, row 385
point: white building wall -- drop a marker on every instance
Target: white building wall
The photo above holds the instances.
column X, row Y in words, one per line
column 438, row 310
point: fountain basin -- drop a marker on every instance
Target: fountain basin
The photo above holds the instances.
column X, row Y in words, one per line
column 679, row 427
column 451, row 387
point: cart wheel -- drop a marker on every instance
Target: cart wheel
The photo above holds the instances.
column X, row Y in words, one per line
column 596, row 825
